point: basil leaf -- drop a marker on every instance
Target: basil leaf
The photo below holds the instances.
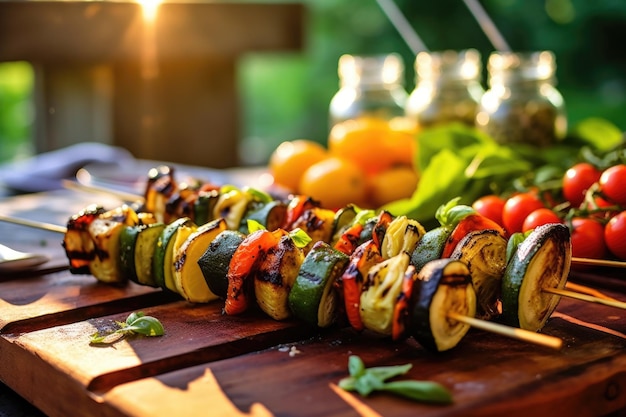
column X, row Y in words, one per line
column 425, row 391
column 385, row 372
column 147, row 326
column 300, row 237
column 356, row 367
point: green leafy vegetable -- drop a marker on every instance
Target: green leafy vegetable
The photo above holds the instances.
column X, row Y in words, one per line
column 367, row 380
column 136, row 323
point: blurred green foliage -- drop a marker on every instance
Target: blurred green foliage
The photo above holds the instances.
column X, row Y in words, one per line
column 286, row 97
column 16, row 115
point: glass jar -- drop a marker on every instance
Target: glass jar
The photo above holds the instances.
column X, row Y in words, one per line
column 523, row 105
column 447, row 89
column 370, row 86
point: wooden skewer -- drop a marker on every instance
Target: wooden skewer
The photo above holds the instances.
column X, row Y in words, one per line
column 583, row 289
column 73, row 185
column 585, row 297
column 512, row 332
column 599, row 262
column 35, row 224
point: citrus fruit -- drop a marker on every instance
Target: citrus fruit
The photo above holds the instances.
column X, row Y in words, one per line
column 374, row 144
column 392, row 184
column 334, row 182
column 291, row 158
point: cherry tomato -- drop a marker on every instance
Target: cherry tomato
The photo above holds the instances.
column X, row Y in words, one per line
column 491, row 207
column 614, row 235
column 588, row 238
column 612, row 183
column 577, row 181
column 540, row 217
column 517, row 208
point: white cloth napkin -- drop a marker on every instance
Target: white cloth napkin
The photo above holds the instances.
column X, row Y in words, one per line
column 46, row 171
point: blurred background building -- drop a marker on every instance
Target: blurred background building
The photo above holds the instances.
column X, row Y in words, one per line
column 285, row 95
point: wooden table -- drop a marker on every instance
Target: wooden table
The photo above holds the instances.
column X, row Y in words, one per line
column 211, row 364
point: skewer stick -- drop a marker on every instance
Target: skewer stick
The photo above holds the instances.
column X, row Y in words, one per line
column 73, row 185
column 586, row 290
column 585, row 297
column 487, row 25
column 37, row 225
column 599, row 262
column 512, row 332
column 399, row 21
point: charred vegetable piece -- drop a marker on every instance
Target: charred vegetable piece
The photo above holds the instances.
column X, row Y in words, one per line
column 484, row 252
column 542, row 260
column 317, row 222
column 442, row 286
column 352, row 235
column 467, row 224
column 188, row 278
column 204, row 205
column 105, row 232
column 163, row 260
column 215, row 261
column 402, row 235
column 275, row 277
column 77, row 242
column 160, row 187
column 270, row 215
column 402, row 309
column 245, row 261
column 344, row 219
column 296, row 207
column 362, row 259
column 231, row 206
column 313, row 297
column 380, row 228
column 381, row 290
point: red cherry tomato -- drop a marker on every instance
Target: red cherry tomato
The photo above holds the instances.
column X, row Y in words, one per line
column 615, row 235
column 491, row 207
column 612, row 183
column 517, row 208
column 588, row 238
column 540, row 217
column 577, row 181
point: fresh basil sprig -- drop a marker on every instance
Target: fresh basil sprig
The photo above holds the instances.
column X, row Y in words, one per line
column 136, row 323
column 367, row 380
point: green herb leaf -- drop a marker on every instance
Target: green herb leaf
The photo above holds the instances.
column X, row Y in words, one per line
column 426, row 391
column 135, row 323
column 300, row 237
column 254, row 226
column 367, row 380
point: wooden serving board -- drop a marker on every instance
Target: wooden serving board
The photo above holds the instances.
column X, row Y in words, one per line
column 211, row 364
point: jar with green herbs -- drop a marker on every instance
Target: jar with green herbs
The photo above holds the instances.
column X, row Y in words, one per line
column 447, row 89
column 522, row 104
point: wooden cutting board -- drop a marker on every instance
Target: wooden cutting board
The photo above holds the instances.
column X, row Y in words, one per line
column 211, row 364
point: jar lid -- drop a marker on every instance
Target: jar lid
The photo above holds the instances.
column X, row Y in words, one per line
column 451, row 64
column 386, row 69
column 534, row 65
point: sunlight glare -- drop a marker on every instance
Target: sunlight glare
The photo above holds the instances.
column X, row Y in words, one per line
column 150, row 8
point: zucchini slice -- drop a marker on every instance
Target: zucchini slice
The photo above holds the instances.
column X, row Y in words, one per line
column 232, row 205
column 484, row 252
column 188, row 278
column 275, row 278
column 542, row 260
column 144, row 253
column 429, row 247
column 270, row 215
column 442, row 286
column 313, row 297
column 162, row 262
column 216, row 259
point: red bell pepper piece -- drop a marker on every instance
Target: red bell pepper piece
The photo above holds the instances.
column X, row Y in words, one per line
column 349, row 239
column 378, row 234
column 364, row 256
column 469, row 223
column 401, row 310
column 247, row 257
column 295, row 208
